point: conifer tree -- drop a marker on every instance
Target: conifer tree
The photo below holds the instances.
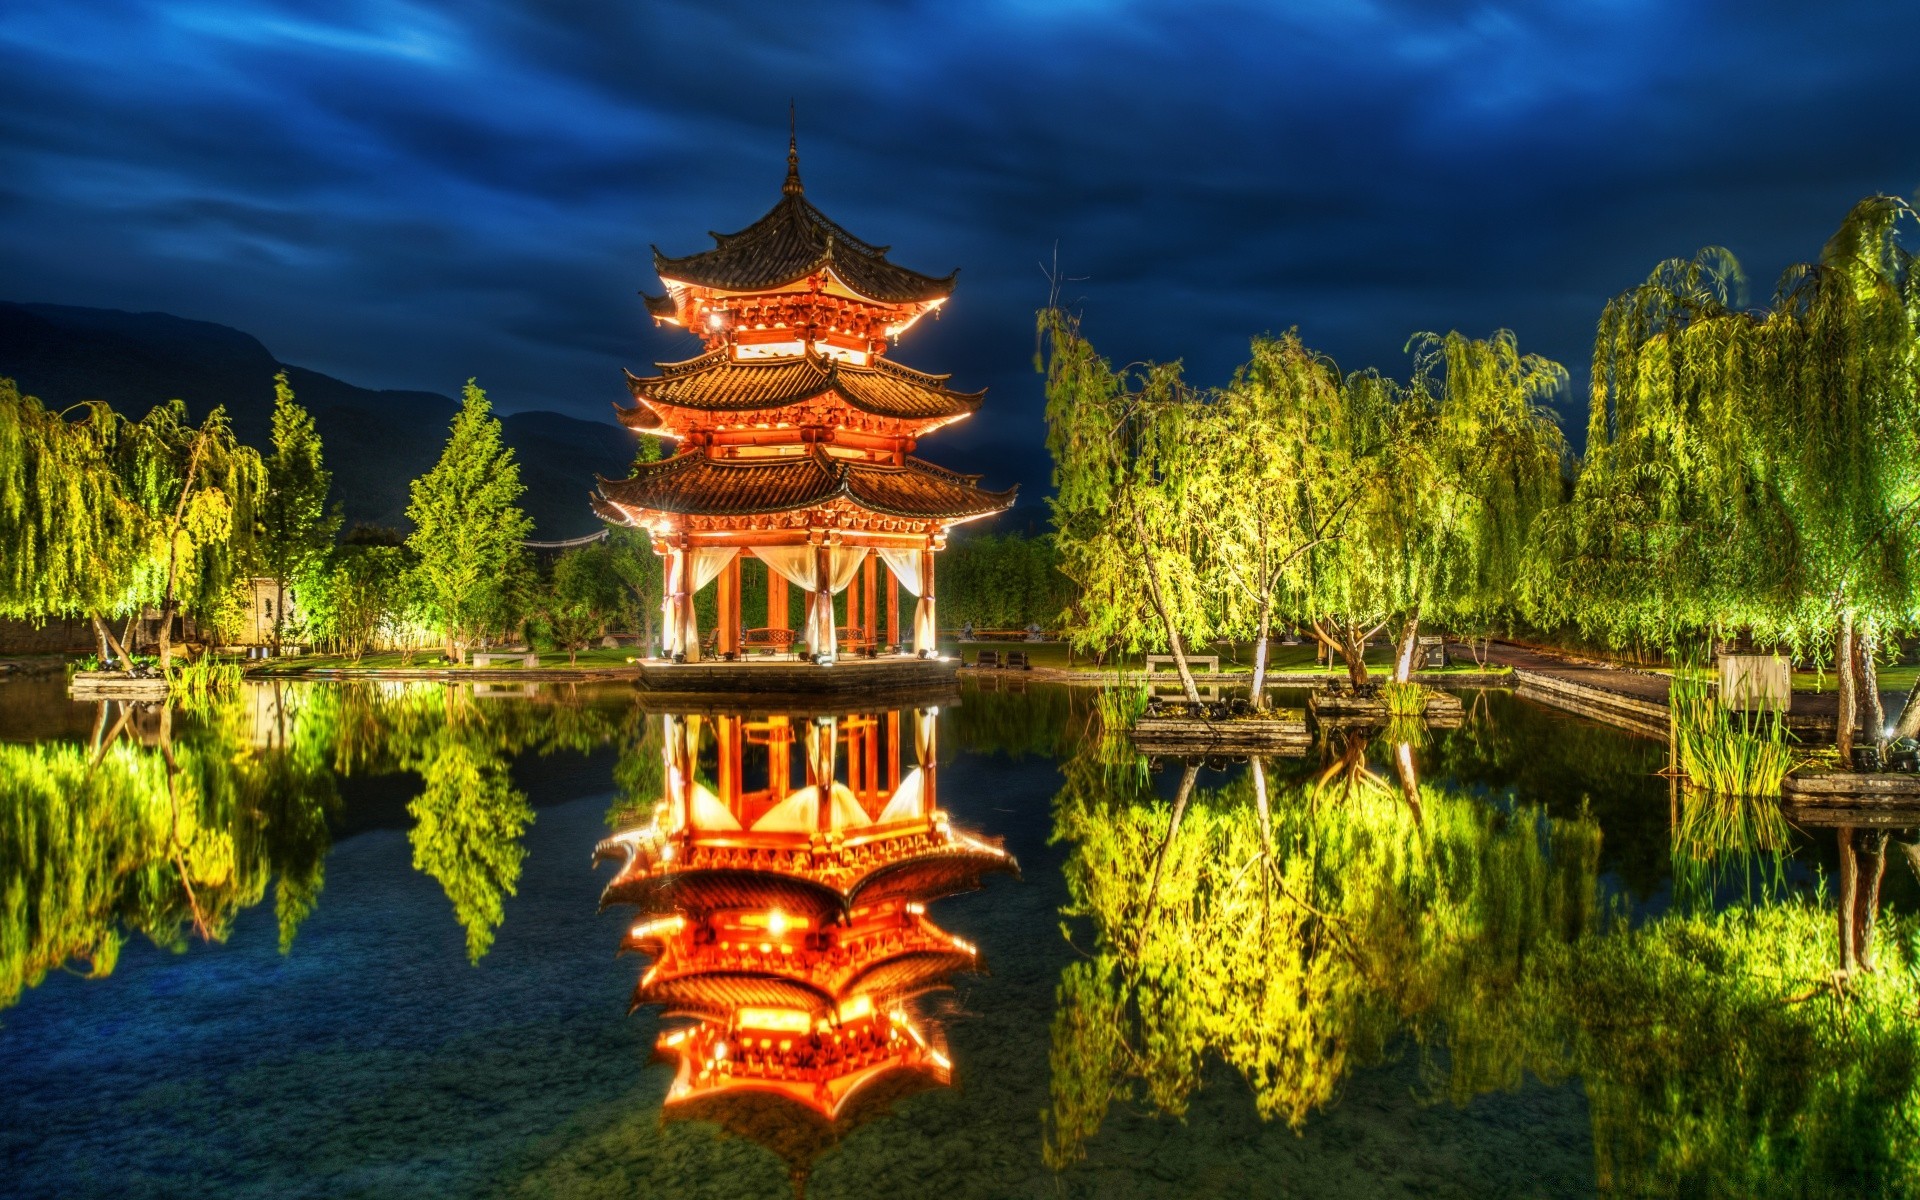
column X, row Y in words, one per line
column 468, row 526
column 296, row 531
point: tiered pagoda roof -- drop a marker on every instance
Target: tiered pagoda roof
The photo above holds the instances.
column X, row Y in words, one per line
column 793, row 241
column 693, row 483
column 794, row 413
column 716, row 382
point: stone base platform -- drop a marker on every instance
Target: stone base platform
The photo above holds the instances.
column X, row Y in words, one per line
column 900, row 678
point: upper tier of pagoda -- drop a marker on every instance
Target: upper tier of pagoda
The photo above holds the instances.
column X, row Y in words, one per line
column 793, row 282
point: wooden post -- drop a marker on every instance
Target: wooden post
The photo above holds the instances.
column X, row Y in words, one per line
column 893, row 611
column 820, row 639
column 853, row 607
column 870, row 583
column 727, row 611
column 893, row 751
column 933, row 612
column 776, row 599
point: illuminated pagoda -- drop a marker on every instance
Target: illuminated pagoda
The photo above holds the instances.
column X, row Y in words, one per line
column 783, row 910
column 795, row 435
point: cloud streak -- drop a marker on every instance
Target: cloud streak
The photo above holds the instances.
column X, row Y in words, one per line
column 408, row 194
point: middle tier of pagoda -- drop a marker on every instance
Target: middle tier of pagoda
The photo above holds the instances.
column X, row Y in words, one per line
column 788, row 923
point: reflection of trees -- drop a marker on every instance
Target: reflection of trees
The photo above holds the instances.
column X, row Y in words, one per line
column 174, row 821
column 1712, row 1069
column 1294, row 956
column 468, row 821
column 99, row 843
column 1728, row 1053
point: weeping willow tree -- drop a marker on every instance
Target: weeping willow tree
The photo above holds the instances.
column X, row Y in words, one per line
column 1290, row 935
column 69, row 535
column 1274, row 486
column 1752, row 469
column 1493, row 459
column 169, row 843
column 1351, row 585
column 1718, row 1059
column 1126, row 515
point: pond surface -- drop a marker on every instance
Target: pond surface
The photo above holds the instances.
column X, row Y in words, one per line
column 366, row 940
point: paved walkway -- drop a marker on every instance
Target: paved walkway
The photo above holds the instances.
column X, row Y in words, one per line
column 1812, row 709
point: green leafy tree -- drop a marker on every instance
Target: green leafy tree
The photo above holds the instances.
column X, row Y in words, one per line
column 1273, row 486
column 1127, row 522
column 69, row 535
column 582, row 596
column 198, row 490
column 296, row 530
column 1479, row 458
column 468, row 528
column 1753, row 469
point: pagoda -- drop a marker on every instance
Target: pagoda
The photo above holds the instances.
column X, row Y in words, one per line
column 795, row 436
column 783, row 912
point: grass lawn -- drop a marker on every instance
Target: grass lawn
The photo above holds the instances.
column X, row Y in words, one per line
column 393, row 660
column 1281, row 660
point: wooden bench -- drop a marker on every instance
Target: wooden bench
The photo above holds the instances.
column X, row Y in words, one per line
column 987, row 658
column 773, row 641
column 1017, row 661
column 486, row 658
column 853, row 640
column 1205, row 669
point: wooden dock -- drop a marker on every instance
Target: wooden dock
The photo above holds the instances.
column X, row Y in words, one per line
column 1620, row 708
column 757, row 680
column 1854, row 788
column 1281, row 733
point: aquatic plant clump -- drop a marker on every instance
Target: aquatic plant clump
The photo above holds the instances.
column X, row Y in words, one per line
column 1404, row 699
column 1731, row 754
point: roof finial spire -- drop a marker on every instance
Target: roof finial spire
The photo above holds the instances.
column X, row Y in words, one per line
column 792, row 186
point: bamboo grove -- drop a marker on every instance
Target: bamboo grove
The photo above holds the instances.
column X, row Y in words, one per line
column 1750, row 469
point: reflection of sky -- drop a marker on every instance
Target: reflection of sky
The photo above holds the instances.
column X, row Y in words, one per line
column 406, row 195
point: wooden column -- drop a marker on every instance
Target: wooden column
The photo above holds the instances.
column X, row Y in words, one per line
column 820, row 638
column 727, row 613
column 869, row 584
column 933, row 612
column 776, row 599
column 893, row 610
column 853, row 606
column 893, row 751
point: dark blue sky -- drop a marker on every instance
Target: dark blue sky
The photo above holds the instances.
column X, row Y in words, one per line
column 408, row 194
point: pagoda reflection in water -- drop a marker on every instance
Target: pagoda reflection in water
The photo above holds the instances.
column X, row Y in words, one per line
column 781, row 889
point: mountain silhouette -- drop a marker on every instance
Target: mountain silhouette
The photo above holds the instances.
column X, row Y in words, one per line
column 376, row 442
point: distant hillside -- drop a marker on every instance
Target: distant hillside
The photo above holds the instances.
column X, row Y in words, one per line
column 376, row 441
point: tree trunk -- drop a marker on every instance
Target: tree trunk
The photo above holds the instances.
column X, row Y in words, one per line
column 1844, row 692
column 105, row 637
column 1409, row 777
column 1871, row 860
column 1353, row 648
column 1849, row 867
column 1409, row 642
column 279, row 611
column 1187, row 779
column 1261, row 807
column 1166, row 616
column 1866, row 676
column 173, row 554
column 1909, row 723
column 1260, row 654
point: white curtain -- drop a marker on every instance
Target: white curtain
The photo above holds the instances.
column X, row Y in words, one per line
column 795, row 565
column 843, row 563
column 906, row 567
column 672, row 603
column 703, row 566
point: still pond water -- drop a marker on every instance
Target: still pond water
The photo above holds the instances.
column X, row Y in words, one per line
column 366, row 940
